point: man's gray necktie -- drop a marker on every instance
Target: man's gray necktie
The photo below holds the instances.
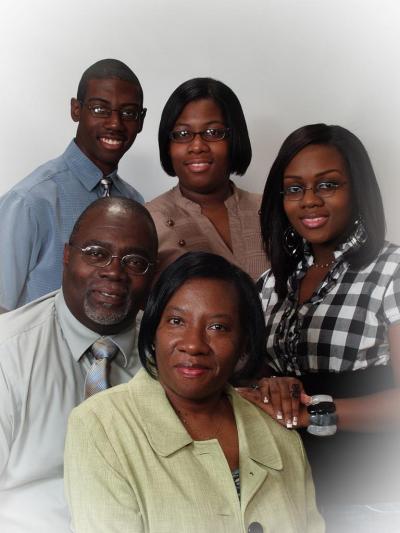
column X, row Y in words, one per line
column 103, row 351
column 105, row 185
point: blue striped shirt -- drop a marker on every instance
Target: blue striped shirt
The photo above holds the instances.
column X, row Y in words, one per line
column 37, row 216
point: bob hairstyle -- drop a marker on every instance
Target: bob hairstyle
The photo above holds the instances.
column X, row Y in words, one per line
column 205, row 265
column 225, row 98
column 365, row 194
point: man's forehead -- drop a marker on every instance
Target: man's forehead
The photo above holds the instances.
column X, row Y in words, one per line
column 105, row 227
column 116, row 237
column 114, row 214
column 116, row 221
column 97, row 228
column 97, row 86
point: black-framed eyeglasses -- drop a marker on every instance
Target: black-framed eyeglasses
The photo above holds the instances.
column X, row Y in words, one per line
column 129, row 112
column 99, row 256
column 324, row 189
column 208, row 135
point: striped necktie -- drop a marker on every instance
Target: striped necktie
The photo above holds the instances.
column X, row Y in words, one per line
column 103, row 351
column 105, row 186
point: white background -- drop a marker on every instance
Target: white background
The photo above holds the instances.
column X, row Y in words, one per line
column 291, row 62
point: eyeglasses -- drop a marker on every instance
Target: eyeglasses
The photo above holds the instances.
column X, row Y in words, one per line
column 324, row 189
column 127, row 113
column 208, row 135
column 101, row 257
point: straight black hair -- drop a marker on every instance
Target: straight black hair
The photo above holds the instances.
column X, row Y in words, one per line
column 209, row 266
column 366, row 199
column 197, row 89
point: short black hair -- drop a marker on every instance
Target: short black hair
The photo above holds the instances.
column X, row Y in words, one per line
column 209, row 266
column 197, row 89
column 127, row 204
column 104, row 69
column 366, row 198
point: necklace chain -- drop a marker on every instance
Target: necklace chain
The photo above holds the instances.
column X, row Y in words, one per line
column 323, row 265
column 201, row 436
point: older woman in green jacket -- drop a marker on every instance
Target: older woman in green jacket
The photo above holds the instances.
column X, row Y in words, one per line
column 177, row 449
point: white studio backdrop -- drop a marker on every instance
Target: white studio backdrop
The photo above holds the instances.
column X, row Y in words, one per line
column 291, row 63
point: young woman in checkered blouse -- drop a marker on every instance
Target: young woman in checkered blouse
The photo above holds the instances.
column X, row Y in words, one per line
column 332, row 308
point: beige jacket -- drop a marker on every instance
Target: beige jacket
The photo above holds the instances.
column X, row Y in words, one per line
column 130, row 467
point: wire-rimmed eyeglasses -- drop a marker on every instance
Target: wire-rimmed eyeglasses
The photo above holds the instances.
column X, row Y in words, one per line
column 324, row 189
column 208, row 135
column 129, row 112
column 100, row 257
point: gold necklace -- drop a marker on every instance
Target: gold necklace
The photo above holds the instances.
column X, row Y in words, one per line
column 323, row 265
column 193, row 431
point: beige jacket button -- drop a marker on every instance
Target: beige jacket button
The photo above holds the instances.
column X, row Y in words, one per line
column 182, row 242
column 169, row 222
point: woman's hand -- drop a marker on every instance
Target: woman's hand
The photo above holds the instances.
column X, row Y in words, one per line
column 280, row 397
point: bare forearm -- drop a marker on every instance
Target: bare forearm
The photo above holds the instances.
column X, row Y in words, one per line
column 375, row 412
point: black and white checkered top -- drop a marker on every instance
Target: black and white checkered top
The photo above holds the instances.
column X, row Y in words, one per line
column 344, row 326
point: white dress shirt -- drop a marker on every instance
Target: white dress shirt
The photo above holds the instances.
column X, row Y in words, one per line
column 42, row 376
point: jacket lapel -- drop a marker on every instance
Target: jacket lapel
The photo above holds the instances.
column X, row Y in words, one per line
column 163, row 428
column 258, row 450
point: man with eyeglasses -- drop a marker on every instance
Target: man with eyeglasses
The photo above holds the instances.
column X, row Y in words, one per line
column 64, row 347
column 38, row 213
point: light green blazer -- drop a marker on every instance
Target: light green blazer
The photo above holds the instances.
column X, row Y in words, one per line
column 131, row 466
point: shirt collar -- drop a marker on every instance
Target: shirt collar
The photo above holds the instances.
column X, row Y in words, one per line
column 339, row 265
column 179, row 199
column 354, row 241
column 234, row 198
column 79, row 338
column 84, row 169
column 155, row 411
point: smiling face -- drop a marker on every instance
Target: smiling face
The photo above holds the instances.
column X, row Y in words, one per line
column 107, row 299
column 323, row 222
column 198, row 340
column 105, row 140
column 202, row 167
